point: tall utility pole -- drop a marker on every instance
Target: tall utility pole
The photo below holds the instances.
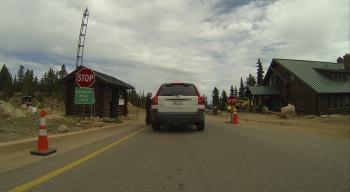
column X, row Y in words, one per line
column 82, row 35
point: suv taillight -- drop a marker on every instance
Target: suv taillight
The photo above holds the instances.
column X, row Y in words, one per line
column 201, row 100
column 155, row 100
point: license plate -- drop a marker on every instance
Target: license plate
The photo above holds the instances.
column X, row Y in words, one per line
column 177, row 102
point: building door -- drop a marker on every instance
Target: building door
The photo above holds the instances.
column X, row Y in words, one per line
column 114, row 104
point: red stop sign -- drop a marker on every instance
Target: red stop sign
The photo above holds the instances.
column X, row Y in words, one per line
column 85, row 77
column 231, row 100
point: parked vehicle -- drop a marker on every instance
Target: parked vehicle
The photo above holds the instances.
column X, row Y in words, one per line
column 178, row 103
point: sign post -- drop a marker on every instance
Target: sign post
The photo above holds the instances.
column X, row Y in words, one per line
column 85, row 78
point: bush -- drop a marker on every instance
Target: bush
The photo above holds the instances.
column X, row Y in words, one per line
column 40, row 97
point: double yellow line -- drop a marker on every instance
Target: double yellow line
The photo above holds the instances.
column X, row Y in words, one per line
column 71, row 165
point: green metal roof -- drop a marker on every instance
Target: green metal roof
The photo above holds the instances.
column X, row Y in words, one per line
column 263, row 90
column 112, row 80
column 307, row 71
column 103, row 77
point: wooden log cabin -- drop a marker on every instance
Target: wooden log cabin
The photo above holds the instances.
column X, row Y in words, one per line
column 111, row 98
column 313, row 87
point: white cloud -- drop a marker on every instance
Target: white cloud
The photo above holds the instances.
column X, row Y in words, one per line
column 146, row 43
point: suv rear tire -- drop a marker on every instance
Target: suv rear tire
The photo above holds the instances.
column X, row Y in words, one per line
column 155, row 126
column 200, row 126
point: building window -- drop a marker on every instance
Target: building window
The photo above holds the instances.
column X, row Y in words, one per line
column 341, row 101
column 329, row 102
column 346, row 101
column 338, row 101
column 335, row 102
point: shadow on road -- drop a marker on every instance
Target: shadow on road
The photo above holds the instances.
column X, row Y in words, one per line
column 170, row 128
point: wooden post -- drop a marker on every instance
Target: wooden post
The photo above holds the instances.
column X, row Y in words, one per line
column 125, row 103
column 250, row 103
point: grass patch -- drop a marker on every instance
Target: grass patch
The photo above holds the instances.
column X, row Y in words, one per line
column 14, row 129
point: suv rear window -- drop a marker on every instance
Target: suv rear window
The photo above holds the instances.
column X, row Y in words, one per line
column 177, row 89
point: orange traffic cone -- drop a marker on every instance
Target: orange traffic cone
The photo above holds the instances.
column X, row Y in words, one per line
column 235, row 117
column 43, row 144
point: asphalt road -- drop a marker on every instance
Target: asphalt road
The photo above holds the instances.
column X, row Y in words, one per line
column 222, row 158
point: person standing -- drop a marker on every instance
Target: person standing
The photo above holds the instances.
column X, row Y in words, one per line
column 148, row 108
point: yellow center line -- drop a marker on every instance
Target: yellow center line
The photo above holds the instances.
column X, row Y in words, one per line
column 71, row 165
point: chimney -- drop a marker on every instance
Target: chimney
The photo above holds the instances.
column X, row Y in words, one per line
column 347, row 62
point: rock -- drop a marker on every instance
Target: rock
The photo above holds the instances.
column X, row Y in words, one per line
column 86, row 122
column 288, row 110
column 98, row 124
column 96, row 119
column 264, row 109
column 310, row 116
column 33, row 109
column 62, row 128
column 79, row 124
column 19, row 113
column 107, row 120
column 3, row 114
column 7, row 108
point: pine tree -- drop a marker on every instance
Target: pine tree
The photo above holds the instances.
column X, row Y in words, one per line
column 49, row 83
column 236, row 92
column 20, row 78
column 232, row 91
column 28, row 83
column 36, row 84
column 250, row 81
column 133, row 97
column 206, row 102
column 241, row 90
column 223, row 100
column 62, row 73
column 6, row 87
column 215, row 100
column 15, row 84
column 260, row 73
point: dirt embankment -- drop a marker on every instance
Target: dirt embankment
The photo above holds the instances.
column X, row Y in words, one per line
column 19, row 121
column 328, row 125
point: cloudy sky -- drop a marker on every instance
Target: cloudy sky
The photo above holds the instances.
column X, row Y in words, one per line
column 146, row 43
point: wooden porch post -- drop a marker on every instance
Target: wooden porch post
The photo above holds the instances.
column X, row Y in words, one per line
column 125, row 103
column 250, row 103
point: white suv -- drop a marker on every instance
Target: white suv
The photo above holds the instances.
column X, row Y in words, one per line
column 178, row 103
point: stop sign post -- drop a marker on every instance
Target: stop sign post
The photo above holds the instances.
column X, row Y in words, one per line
column 231, row 101
column 85, row 78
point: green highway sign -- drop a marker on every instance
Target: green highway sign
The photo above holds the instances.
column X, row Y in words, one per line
column 84, row 96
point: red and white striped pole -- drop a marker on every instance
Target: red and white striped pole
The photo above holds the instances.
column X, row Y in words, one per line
column 43, row 143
